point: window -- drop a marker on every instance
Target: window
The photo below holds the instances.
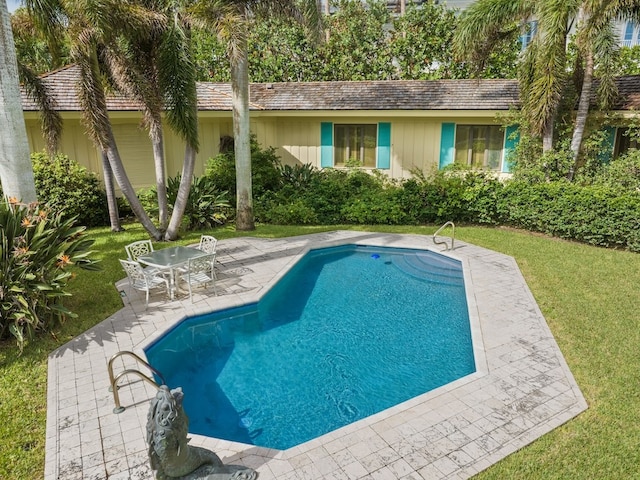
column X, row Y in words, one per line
column 479, row 146
column 628, row 35
column 530, row 30
column 366, row 145
column 625, row 140
column 355, row 145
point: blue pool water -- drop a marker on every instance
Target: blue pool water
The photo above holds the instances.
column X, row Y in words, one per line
column 348, row 332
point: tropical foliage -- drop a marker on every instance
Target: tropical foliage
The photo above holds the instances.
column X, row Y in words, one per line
column 362, row 41
column 207, row 206
column 38, row 250
column 265, row 175
column 602, row 209
column 544, row 69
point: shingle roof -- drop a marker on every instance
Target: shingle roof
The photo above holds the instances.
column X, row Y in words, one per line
column 495, row 94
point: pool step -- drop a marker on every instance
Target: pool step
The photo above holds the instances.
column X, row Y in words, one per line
column 431, row 267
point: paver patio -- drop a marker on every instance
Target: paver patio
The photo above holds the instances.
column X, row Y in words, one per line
column 521, row 390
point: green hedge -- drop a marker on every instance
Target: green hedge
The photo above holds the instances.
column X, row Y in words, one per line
column 599, row 215
column 596, row 214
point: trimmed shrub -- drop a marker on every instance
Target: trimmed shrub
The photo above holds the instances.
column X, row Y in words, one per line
column 376, row 207
column 295, row 212
column 63, row 185
column 598, row 215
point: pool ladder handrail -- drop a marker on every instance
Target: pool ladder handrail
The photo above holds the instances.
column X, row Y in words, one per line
column 113, row 379
column 443, row 242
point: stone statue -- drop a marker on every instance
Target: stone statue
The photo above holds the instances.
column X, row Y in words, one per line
column 170, row 455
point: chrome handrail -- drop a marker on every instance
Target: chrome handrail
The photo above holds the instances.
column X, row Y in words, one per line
column 113, row 379
column 453, row 235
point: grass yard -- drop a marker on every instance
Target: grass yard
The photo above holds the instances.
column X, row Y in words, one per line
column 589, row 296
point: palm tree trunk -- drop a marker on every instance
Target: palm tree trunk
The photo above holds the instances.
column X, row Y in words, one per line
column 583, row 112
column 16, row 171
column 183, row 194
column 112, row 203
column 155, row 132
column 547, row 137
column 241, row 134
column 111, row 150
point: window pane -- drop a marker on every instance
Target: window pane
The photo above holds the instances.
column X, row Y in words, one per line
column 494, row 150
column 462, row 144
column 369, row 145
column 479, row 146
column 355, row 144
column 340, row 145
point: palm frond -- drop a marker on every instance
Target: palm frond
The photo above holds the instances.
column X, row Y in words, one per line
column 606, row 51
column 49, row 17
column 177, row 79
column 91, row 90
column 50, row 118
column 485, row 23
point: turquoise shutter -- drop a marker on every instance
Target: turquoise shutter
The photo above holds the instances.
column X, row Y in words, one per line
column 447, row 145
column 608, row 145
column 326, row 144
column 384, row 146
column 511, row 139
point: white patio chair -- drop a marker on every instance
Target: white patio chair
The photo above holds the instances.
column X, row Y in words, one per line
column 139, row 248
column 143, row 280
column 200, row 272
column 209, row 244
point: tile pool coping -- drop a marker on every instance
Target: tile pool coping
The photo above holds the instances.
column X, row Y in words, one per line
column 521, row 390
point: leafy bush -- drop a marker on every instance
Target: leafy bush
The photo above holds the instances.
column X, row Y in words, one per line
column 453, row 193
column 265, row 170
column 298, row 176
column 63, row 185
column 207, row 206
column 296, row 212
column 622, row 173
column 371, row 208
column 599, row 215
column 36, row 250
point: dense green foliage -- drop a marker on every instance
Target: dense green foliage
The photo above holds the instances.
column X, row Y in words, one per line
column 37, row 250
column 598, row 215
column 63, row 185
column 207, row 205
column 265, row 175
column 32, row 48
column 362, row 41
column 603, row 209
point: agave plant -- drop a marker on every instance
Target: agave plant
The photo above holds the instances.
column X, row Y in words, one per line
column 37, row 250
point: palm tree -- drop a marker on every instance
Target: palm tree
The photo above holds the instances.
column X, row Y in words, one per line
column 91, row 27
column 543, row 74
column 155, row 66
column 231, row 20
column 16, row 171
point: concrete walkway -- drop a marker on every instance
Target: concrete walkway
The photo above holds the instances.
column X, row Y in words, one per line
column 522, row 389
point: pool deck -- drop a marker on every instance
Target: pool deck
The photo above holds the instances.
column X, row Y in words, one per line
column 522, row 388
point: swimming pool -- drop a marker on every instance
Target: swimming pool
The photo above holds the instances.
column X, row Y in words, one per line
column 349, row 331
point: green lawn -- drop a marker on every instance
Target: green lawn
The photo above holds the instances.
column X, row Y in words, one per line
column 589, row 296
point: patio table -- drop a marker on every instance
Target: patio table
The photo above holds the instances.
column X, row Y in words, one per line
column 170, row 259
